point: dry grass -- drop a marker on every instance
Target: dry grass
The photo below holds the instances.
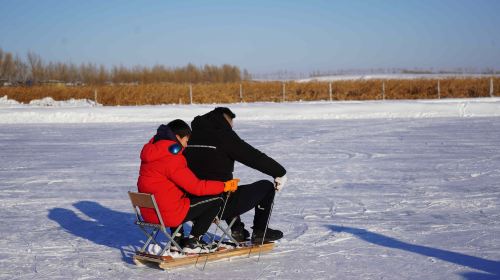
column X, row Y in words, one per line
column 168, row 93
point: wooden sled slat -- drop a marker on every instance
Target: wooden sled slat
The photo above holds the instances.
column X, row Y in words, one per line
column 153, row 258
column 169, row 262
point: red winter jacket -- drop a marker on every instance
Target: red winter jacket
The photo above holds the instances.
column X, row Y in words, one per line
column 168, row 178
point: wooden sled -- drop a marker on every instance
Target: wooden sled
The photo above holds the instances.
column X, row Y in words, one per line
column 167, row 262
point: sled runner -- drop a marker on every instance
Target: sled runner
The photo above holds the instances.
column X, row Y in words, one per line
column 168, row 262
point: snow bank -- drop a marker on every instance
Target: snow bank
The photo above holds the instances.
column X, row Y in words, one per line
column 47, row 102
column 50, row 102
column 5, row 101
column 481, row 107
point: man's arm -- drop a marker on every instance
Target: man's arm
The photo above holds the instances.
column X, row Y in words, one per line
column 183, row 177
column 243, row 152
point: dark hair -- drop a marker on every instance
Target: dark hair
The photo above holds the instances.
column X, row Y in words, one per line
column 226, row 111
column 179, row 127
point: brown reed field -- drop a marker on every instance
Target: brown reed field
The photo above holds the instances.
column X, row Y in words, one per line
column 253, row 91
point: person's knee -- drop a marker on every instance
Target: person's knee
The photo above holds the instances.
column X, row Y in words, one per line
column 266, row 185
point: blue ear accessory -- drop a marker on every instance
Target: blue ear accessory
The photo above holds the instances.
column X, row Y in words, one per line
column 175, row 148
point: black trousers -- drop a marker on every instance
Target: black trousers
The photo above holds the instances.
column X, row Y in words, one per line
column 202, row 212
column 258, row 195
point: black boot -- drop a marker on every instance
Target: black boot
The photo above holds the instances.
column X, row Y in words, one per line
column 180, row 240
column 238, row 231
column 196, row 245
column 271, row 235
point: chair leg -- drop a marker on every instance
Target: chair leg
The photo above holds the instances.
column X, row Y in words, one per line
column 171, row 240
column 226, row 232
column 151, row 238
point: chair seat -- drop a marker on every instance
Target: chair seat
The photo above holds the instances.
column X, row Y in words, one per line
column 148, row 224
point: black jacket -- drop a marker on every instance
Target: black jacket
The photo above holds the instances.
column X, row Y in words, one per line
column 214, row 146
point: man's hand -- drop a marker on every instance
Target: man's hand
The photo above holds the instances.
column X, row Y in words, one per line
column 279, row 182
column 231, row 185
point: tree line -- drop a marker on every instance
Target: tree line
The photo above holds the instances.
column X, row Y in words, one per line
column 34, row 70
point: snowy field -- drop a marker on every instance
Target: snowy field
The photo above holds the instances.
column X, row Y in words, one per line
column 383, row 197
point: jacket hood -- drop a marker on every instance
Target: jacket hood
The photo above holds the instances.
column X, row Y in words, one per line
column 164, row 133
column 154, row 151
column 212, row 120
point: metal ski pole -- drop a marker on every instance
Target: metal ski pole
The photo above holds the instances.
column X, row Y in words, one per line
column 267, row 224
column 216, row 228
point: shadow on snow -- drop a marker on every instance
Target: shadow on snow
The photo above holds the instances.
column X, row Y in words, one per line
column 491, row 268
column 105, row 227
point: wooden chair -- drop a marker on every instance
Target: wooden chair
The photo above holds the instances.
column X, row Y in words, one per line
column 151, row 230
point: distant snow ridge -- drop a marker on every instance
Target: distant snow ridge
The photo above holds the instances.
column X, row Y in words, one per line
column 6, row 101
column 391, row 77
column 50, row 102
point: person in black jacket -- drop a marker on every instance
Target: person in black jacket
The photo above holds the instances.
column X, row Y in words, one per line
column 212, row 150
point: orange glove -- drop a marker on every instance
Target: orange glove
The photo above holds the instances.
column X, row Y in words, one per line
column 231, row 185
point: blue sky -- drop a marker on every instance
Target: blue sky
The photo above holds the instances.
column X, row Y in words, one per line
column 262, row 36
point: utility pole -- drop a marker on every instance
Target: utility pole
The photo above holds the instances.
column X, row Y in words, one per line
column 191, row 93
column 383, row 90
column 491, row 87
column 284, row 92
column 439, row 90
column 330, row 91
column 241, row 93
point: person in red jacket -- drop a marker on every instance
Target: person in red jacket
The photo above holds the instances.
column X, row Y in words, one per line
column 180, row 195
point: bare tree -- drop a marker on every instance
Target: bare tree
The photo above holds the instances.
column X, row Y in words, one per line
column 74, row 73
column 246, row 75
column 1, row 62
column 103, row 75
column 36, row 70
column 21, row 67
column 36, row 67
column 8, row 67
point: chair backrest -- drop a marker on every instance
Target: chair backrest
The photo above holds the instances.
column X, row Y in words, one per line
column 144, row 200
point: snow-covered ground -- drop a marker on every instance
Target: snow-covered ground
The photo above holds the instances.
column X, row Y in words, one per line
column 380, row 198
